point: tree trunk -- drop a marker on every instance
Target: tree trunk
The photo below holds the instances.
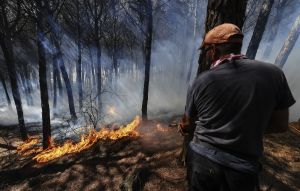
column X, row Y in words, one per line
column 259, row 28
column 79, row 64
column 194, row 39
column 274, row 27
column 59, row 83
column 219, row 12
column 288, row 44
column 148, row 49
column 43, row 74
column 115, row 42
column 56, row 78
column 91, row 67
column 5, row 90
column 98, row 60
column 7, row 49
column 99, row 78
column 64, row 73
column 28, row 86
column 115, row 63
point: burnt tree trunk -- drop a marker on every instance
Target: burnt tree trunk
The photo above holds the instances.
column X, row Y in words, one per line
column 43, row 74
column 98, row 58
column 219, row 12
column 91, row 67
column 7, row 49
column 5, row 90
column 61, row 64
column 25, row 82
column 259, row 28
column 28, row 85
column 114, row 68
column 288, row 44
column 59, row 83
column 147, row 49
column 56, row 78
column 274, row 28
column 190, row 66
column 99, row 78
column 79, row 64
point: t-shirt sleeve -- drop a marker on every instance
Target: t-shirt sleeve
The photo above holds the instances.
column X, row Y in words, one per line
column 190, row 108
column 286, row 98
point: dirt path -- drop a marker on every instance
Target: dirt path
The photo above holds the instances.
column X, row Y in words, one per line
column 106, row 165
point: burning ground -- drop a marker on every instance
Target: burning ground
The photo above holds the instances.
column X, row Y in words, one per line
column 143, row 154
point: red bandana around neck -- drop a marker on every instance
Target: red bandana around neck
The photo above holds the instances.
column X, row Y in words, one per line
column 225, row 58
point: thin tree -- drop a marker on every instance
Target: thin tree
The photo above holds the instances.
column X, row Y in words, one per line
column 148, row 49
column 279, row 9
column 96, row 12
column 9, row 27
column 61, row 64
column 259, row 28
column 56, row 37
column 144, row 11
column 79, row 50
column 5, row 90
column 56, row 83
column 41, row 16
column 289, row 44
column 194, row 39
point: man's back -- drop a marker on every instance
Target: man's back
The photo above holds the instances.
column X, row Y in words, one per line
column 234, row 103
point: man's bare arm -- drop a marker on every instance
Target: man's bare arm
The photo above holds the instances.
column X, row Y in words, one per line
column 279, row 122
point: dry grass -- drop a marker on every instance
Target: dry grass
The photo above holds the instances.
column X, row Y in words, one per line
column 106, row 165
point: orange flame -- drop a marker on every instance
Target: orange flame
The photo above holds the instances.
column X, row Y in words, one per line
column 85, row 142
column 29, row 147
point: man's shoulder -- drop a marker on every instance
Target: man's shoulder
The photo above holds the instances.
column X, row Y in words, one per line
column 255, row 66
column 201, row 80
column 260, row 65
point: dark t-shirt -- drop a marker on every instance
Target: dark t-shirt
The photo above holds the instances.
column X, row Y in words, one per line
column 233, row 104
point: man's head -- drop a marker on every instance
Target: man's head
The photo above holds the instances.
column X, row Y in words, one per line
column 222, row 40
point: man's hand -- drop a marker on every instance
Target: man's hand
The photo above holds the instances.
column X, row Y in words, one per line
column 182, row 129
column 186, row 126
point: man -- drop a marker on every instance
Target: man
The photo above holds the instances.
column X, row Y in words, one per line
column 233, row 105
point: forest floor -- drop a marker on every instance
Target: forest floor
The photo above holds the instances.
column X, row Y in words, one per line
column 153, row 156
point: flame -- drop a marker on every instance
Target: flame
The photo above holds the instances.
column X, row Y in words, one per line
column 85, row 142
column 29, row 147
column 29, row 143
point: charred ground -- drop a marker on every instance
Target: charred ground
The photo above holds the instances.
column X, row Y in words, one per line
column 149, row 162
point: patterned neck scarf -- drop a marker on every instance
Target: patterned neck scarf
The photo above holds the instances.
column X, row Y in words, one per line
column 227, row 58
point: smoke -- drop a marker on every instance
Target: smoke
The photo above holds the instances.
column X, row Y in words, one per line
column 291, row 67
column 170, row 60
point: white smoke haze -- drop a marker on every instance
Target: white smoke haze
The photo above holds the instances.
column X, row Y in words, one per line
column 168, row 79
column 167, row 89
column 291, row 67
